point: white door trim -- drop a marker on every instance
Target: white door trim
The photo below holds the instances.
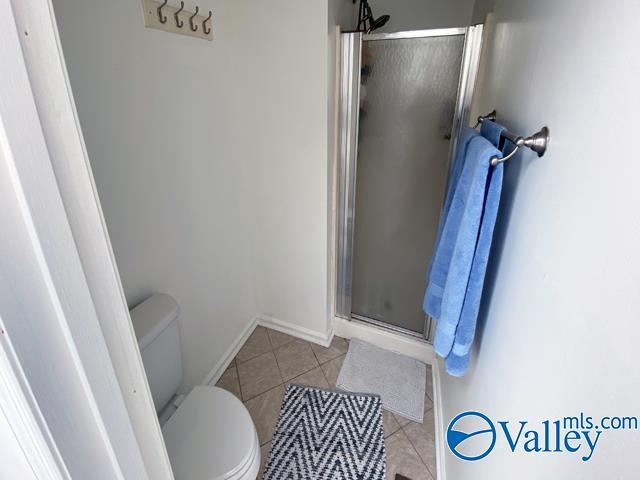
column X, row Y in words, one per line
column 29, row 435
column 54, row 101
column 48, row 306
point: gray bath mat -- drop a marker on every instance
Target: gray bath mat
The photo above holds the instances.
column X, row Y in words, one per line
column 399, row 380
column 325, row 435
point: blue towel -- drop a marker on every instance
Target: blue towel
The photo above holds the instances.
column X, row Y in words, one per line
column 491, row 131
column 439, row 266
column 460, row 237
column 457, row 362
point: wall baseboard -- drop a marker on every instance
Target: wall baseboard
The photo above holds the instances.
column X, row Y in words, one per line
column 383, row 338
column 295, row 330
column 219, row 368
column 440, row 427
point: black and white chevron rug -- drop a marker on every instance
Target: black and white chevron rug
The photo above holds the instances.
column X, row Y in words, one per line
column 327, row 435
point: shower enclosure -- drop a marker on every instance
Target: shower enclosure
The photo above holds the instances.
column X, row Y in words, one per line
column 404, row 97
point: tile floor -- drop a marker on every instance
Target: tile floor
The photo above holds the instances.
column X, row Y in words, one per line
column 269, row 360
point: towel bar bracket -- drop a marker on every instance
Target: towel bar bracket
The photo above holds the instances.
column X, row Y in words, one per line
column 490, row 116
column 538, row 141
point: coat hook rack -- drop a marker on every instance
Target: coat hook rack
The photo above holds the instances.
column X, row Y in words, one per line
column 537, row 142
column 157, row 12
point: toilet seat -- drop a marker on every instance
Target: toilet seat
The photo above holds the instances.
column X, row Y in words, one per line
column 212, row 437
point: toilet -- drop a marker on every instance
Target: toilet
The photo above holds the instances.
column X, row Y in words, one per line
column 210, row 436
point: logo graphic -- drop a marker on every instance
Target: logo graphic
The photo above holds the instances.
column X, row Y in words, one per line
column 471, row 436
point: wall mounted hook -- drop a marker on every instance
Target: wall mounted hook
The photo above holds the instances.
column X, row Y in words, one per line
column 161, row 17
column 179, row 23
column 194, row 28
column 206, row 30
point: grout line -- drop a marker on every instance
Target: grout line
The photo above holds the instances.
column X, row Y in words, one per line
column 266, row 391
column 239, row 384
column 251, row 358
column 279, row 373
column 426, row 386
column 278, row 366
column 414, row 447
column 394, row 419
column 273, row 349
column 325, row 376
column 314, row 354
column 280, row 370
column 299, row 375
column 293, row 339
column 284, row 382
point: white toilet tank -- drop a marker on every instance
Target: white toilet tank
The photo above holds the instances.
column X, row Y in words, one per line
column 155, row 322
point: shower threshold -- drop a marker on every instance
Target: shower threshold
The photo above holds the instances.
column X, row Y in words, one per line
column 388, row 326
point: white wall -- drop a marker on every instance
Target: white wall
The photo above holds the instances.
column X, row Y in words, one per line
column 159, row 119
column 210, row 160
column 561, row 325
column 422, row 14
column 284, row 123
column 480, row 10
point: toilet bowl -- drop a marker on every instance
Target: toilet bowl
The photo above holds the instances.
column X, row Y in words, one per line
column 211, row 435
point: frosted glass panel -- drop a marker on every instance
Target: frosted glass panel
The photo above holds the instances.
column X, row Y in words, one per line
column 407, row 101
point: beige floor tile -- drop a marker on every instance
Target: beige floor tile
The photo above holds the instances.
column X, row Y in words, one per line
column 258, row 375
column 257, row 344
column 423, row 438
column 331, row 370
column 264, row 455
column 295, row 358
column 403, row 459
column 264, row 410
column 229, row 381
column 430, row 383
column 428, row 403
column 390, row 423
column 402, row 421
column 339, row 346
column 279, row 339
column 313, row 378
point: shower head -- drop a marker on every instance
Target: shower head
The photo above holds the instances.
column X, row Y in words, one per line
column 379, row 22
column 366, row 22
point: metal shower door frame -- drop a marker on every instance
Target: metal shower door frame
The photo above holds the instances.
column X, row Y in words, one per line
column 351, row 50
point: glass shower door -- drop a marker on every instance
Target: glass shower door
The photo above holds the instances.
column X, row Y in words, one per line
column 408, row 107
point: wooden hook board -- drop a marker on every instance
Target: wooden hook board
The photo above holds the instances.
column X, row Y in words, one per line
column 152, row 20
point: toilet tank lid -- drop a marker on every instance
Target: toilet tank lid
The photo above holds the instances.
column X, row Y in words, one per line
column 152, row 316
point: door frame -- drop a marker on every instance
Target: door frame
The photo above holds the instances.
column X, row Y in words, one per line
column 349, row 102
column 55, row 199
